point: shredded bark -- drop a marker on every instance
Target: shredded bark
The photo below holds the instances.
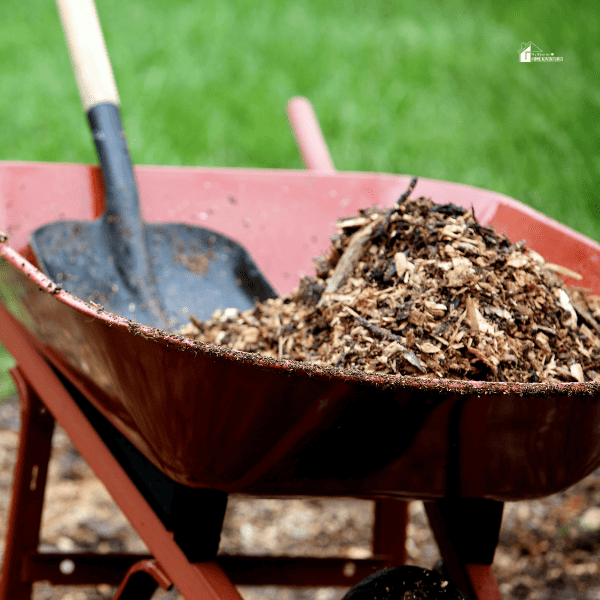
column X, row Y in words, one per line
column 424, row 289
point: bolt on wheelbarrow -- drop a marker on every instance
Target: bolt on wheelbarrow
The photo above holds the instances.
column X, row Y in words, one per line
column 172, row 427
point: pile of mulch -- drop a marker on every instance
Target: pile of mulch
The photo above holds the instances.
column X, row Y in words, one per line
column 425, row 290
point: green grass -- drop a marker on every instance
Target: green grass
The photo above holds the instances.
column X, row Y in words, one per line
column 401, row 87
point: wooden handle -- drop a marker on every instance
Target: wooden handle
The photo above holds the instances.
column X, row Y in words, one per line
column 95, row 79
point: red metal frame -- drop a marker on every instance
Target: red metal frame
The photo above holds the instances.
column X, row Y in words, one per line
column 141, row 581
column 31, row 468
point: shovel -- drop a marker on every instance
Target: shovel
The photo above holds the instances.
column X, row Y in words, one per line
column 155, row 274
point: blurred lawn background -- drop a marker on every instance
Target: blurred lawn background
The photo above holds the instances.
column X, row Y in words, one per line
column 399, row 87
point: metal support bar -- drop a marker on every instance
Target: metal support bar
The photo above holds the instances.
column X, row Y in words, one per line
column 61, row 568
column 29, row 482
column 194, row 515
column 466, row 531
column 141, row 581
column 482, row 582
column 300, row 571
column 94, row 569
column 389, row 530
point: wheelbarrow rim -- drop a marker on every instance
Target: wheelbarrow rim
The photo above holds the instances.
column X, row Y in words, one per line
column 387, row 382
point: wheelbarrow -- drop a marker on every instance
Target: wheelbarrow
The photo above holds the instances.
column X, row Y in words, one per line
column 172, row 427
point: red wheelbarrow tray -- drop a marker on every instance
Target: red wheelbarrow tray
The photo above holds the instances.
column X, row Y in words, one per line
column 211, row 417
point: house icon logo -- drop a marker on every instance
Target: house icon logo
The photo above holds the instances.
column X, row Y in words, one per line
column 526, row 49
column 529, row 52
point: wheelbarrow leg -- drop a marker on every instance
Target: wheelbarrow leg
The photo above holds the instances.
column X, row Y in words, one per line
column 29, row 482
column 389, row 531
column 466, row 531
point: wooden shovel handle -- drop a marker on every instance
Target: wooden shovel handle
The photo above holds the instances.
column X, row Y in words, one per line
column 93, row 73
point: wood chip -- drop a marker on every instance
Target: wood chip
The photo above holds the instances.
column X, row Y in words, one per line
column 350, row 258
column 475, row 318
column 428, row 348
column 560, row 270
column 577, row 372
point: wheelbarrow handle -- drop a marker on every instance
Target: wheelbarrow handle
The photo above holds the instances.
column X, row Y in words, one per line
column 308, row 134
column 93, row 73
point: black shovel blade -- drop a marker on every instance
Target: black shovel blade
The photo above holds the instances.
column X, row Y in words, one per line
column 195, row 271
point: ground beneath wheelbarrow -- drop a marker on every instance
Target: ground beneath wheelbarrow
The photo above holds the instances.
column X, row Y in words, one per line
column 548, row 549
